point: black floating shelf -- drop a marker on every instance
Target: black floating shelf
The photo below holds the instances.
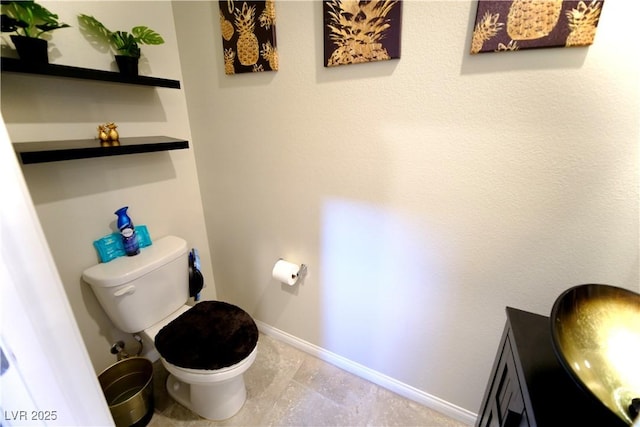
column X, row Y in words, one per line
column 55, row 151
column 18, row 66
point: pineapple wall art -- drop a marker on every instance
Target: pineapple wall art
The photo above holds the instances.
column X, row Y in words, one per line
column 361, row 31
column 248, row 36
column 503, row 25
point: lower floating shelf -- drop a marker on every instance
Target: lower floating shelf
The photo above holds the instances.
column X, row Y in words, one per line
column 55, row 151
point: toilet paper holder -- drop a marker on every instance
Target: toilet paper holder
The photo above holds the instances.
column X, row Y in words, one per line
column 289, row 273
column 301, row 273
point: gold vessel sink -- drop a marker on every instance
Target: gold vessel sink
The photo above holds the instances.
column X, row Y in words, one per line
column 595, row 331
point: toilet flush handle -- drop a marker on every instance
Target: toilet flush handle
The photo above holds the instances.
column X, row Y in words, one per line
column 125, row 291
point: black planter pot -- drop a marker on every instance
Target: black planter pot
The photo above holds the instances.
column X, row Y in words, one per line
column 128, row 65
column 31, row 50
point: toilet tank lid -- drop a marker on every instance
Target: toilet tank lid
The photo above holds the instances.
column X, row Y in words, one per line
column 126, row 269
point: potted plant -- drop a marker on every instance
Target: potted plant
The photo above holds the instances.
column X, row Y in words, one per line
column 125, row 44
column 29, row 21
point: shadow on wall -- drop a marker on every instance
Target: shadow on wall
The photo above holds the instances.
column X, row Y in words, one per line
column 28, row 99
column 51, row 182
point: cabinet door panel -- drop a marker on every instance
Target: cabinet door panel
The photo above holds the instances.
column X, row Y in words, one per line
column 510, row 403
column 505, row 406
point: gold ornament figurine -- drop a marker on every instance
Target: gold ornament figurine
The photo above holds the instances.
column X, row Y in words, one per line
column 108, row 135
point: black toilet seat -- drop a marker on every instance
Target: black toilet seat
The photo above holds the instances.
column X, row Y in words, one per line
column 211, row 335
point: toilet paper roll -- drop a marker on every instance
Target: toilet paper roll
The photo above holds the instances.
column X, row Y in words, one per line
column 286, row 272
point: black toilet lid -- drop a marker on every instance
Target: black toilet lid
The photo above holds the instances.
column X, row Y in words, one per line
column 210, row 335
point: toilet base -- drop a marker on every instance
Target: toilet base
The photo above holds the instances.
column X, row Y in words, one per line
column 215, row 401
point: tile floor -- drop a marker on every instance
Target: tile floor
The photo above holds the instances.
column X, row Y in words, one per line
column 287, row 387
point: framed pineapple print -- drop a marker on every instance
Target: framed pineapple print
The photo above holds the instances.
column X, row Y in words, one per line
column 361, row 31
column 248, row 36
column 507, row 25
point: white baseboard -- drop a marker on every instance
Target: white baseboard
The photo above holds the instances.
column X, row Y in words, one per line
column 405, row 390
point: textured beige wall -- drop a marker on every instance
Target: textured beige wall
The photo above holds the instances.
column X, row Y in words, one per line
column 75, row 200
column 425, row 194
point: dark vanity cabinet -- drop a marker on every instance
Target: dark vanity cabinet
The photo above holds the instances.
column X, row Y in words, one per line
column 529, row 387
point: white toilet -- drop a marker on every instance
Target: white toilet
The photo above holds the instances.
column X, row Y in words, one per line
column 206, row 348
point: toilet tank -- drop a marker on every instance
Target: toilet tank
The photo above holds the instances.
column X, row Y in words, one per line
column 140, row 290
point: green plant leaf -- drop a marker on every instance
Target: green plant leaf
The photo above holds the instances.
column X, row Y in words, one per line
column 123, row 42
column 34, row 19
column 146, row 35
column 41, row 13
column 126, row 43
column 20, row 12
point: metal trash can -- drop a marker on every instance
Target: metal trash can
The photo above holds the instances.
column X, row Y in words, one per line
column 128, row 387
